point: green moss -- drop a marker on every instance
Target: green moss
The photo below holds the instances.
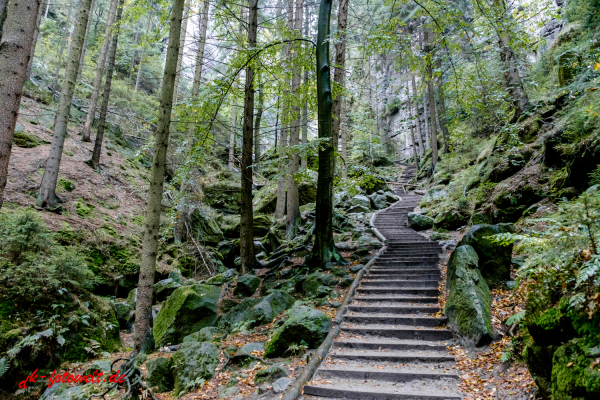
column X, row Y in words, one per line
column 572, row 377
column 66, row 184
column 84, row 210
column 110, row 230
column 25, row 140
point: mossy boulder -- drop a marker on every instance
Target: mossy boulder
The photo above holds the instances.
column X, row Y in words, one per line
column 573, row 376
column 373, row 184
column 160, row 376
column 257, row 311
column 468, row 305
column 187, row 310
column 62, row 391
column 316, row 280
column 360, row 200
column 265, row 199
column 192, row 363
column 552, row 327
column 164, row 288
column 450, row 219
column 224, row 195
column 494, row 259
column 205, row 226
column 125, row 315
column 246, row 285
column 304, row 324
column 222, row 278
column 208, row 334
column 378, row 201
column 567, row 62
column 270, row 374
column 419, row 222
column 261, row 225
column 539, row 363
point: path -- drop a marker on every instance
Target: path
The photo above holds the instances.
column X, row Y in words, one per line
column 391, row 346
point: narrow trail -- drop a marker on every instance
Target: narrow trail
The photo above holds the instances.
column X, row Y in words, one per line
column 391, row 345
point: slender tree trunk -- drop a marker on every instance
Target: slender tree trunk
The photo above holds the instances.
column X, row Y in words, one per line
column 257, row 122
column 35, row 38
column 324, row 250
column 442, row 104
column 344, row 141
column 139, row 73
column 416, row 116
column 339, row 73
column 143, row 313
column 234, row 108
column 95, row 161
column 181, row 52
column 412, row 130
column 16, row 38
column 47, row 8
column 2, row 15
column 64, row 40
column 304, row 160
column 47, row 195
column 293, row 196
column 282, row 181
column 246, row 218
column 200, row 54
column 91, row 114
column 85, row 41
column 431, row 95
column 133, row 52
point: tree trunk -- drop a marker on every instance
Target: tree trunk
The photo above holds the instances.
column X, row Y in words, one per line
column 304, row 160
column 143, row 312
column 416, row 116
column 257, row 122
column 181, row 52
column 47, row 195
column 200, row 54
column 135, row 40
column 63, row 42
column 339, row 73
column 95, row 161
column 344, row 142
column 85, row 41
column 293, row 197
column 324, row 250
column 431, row 95
column 91, row 114
column 442, row 104
column 2, row 15
column 35, row 38
column 231, row 163
column 246, row 218
column 139, row 73
column 16, row 37
column 412, row 130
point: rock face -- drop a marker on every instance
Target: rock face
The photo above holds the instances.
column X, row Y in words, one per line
column 205, row 226
column 468, row 305
column 258, row 310
column 246, row 285
column 224, row 194
column 494, row 259
column 266, row 198
column 192, row 362
column 304, row 324
column 419, row 222
column 160, row 377
column 187, row 310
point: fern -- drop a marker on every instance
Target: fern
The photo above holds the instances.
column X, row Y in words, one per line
column 4, row 365
column 515, row 318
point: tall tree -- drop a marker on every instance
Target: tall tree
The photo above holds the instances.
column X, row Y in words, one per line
column 91, row 114
column 143, row 312
column 35, row 38
column 2, row 15
column 16, row 38
column 64, row 39
column 324, row 250
column 231, row 162
column 139, row 73
column 442, row 105
column 339, row 72
column 413, row 87
column 203, row 25
column 110, row 67
column 412, row 127
column 293, row 196
column 246, row 218
column 181, row 52
column 431, row 97
column 304, row 160
column 85, row 41
column 47, row 195
column 344, row 141
column 257, row 122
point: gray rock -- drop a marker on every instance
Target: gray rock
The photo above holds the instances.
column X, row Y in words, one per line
column 125, row 315
column 228, row 392
column 176, row 276
column 419, row 222
column 509, row 285
column 304, row 324
column 187, row 310
column 378, row 201
column 435, row 194
column 258, row 310
column 222, row 278
column 205, row 226
column 132, row 298
column 62, row 391
column 248, row 348
column 469, row 301
column 391, row 197
column 357, row 268
column 246, row 285
column 265, row 387
column 281, row 384
column 360, row 200
column 159, row 375
column 271, row 373
column 99, row 365
column 192, row 362
column 359, row 209
column 314, row 281
column 450, row 219
column 164, row 288
column 208, row 334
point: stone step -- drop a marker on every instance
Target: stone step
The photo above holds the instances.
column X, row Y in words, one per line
column 360, row 390
column 403, row 332
column 389, row 319
column 390, row 344
column 392, row 290
column 397, row 299
column 435, row 276
column 394, row 309
column 404, row 264
column 400, row 375
column 396, row 283
column 392, row 356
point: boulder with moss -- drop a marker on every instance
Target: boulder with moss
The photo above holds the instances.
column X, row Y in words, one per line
column 450, row 219
column 246, row 285
column 187, row 310
column 419, row 222
column 160, row 376
column 164, row 288
column 469, row 303
column 205, row 226
column 257, row 311
column 208, row 334
column 193, row 364
column 304, row 325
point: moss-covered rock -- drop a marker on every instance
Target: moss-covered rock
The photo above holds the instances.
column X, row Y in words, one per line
column 494, row 259
column 265, row 199
column 261, row 225
column 193, row 363
column 62, row 391
column 257, row 311
column 539, row 363
column 222, row 278
column 312, row 283
column 224, row 195
column 160, row 376
column 270, row 374
column 419, row 222
column 164, row 288
column 450, row 219
column 205, row 226
column 469, row 301
column 553, row 327
column 208, row 334
column 572, row 374
column 246, row 285
column 125, row 315
column 187, row 310
column 304, row 324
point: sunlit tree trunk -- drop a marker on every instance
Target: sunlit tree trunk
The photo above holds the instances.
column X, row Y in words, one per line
column 344, row 141
column 293, row 197
column 181, row 52
column 442, row 104
column 16, row 38
column 63, row 43
column 35, row 38
column 257, row 122
column 413, row 87
column 110, row 67
column 304, row 160
column 431, row 98
column 231, row 163
column 339, row 73
column 134, row 44
column 324, row 250
column 91, row 114
column 246, row 229
column 143, row 313
column 47, row 195
column 412, row 127
column 85, row 41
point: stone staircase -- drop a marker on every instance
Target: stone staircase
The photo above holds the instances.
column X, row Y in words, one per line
column 391, row 345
